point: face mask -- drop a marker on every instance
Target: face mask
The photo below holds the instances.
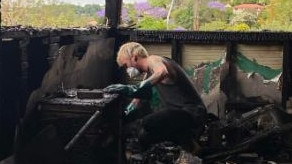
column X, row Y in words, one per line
column 133, row 72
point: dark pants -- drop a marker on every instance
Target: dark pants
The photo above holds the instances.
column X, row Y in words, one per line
column 176, row 125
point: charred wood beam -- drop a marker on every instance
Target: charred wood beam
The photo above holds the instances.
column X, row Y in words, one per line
column 17, row 32
column 148, row 35
column 24, row 66
column 230, row 81
column 176, row 51
column 10, row 94
column 290, row 68
column 286, row 82
column 113, row 12
column 249, row 142
column 65, row 40
column 81, row 132
column 231, row 49
column 228, row 85
column 38, row 51
column 201, row 36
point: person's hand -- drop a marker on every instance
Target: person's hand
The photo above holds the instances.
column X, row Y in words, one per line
column 136, row 91
column 131, row 107
column 115, row 88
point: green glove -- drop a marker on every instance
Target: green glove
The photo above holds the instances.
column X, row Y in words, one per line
column 131, row 107
column 138, row 91
column 115, row 88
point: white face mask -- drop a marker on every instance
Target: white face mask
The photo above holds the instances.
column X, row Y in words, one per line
column 133, row 72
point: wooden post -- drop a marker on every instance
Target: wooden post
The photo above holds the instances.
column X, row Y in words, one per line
column 286, row 82
column 196, row 15
column 24, row 66
column 113, row 12
column 176, row 53
column 10, row 95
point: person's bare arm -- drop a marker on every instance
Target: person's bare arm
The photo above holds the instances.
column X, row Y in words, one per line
column 159, row 71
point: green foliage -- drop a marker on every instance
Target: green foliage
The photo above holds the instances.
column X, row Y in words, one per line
column 276, row 25
column 88, row 10
column 238, row 27
column 131, row 13
column 244, row 17
column 237, row 2
column 38, row 13
column 159, row 3
column 214, row 26
column 148, row 22
column 277, row 16
column 208, row 15
column 184, row 17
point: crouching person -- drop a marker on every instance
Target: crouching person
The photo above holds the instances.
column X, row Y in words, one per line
column 182, row 115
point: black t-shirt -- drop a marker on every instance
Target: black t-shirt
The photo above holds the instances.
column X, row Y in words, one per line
column 180, row 93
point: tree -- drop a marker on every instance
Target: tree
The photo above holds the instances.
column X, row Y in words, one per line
column 148, row 22
column 277, row 16
column 160, row 3
column 214, row 26
column 184, row 17
column 40, row 13
column 244, row 17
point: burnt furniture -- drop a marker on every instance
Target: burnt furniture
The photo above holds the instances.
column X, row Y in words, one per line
column 88, row 124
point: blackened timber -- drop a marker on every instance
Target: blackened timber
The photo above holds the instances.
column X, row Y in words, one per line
column 230, row 51
column 113, row 12
column 38, row 52
column 17, row 32
column 286, row 72
column 84, row 125
column 65, row 40
column 24, row 65
column 10, row 95
column 82, row 131
column 202, row 36
column 290, row 68
column 228, row 85
column 176, row 52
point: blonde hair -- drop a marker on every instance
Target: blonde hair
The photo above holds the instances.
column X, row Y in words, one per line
column 129, row 49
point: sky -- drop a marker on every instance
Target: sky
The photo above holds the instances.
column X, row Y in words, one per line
column 101, row 2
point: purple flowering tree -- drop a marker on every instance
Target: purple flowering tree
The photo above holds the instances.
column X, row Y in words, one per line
column 100, row 13
column 141, row 7
column 180, row 29
column 157, row 12
column 125, row 15
column 144, row 8
column 216, row 5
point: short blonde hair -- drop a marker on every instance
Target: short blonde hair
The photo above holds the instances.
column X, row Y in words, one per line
column 129, row 49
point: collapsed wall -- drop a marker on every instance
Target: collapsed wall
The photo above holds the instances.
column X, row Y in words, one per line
column 79, row 65
column 223, row 84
